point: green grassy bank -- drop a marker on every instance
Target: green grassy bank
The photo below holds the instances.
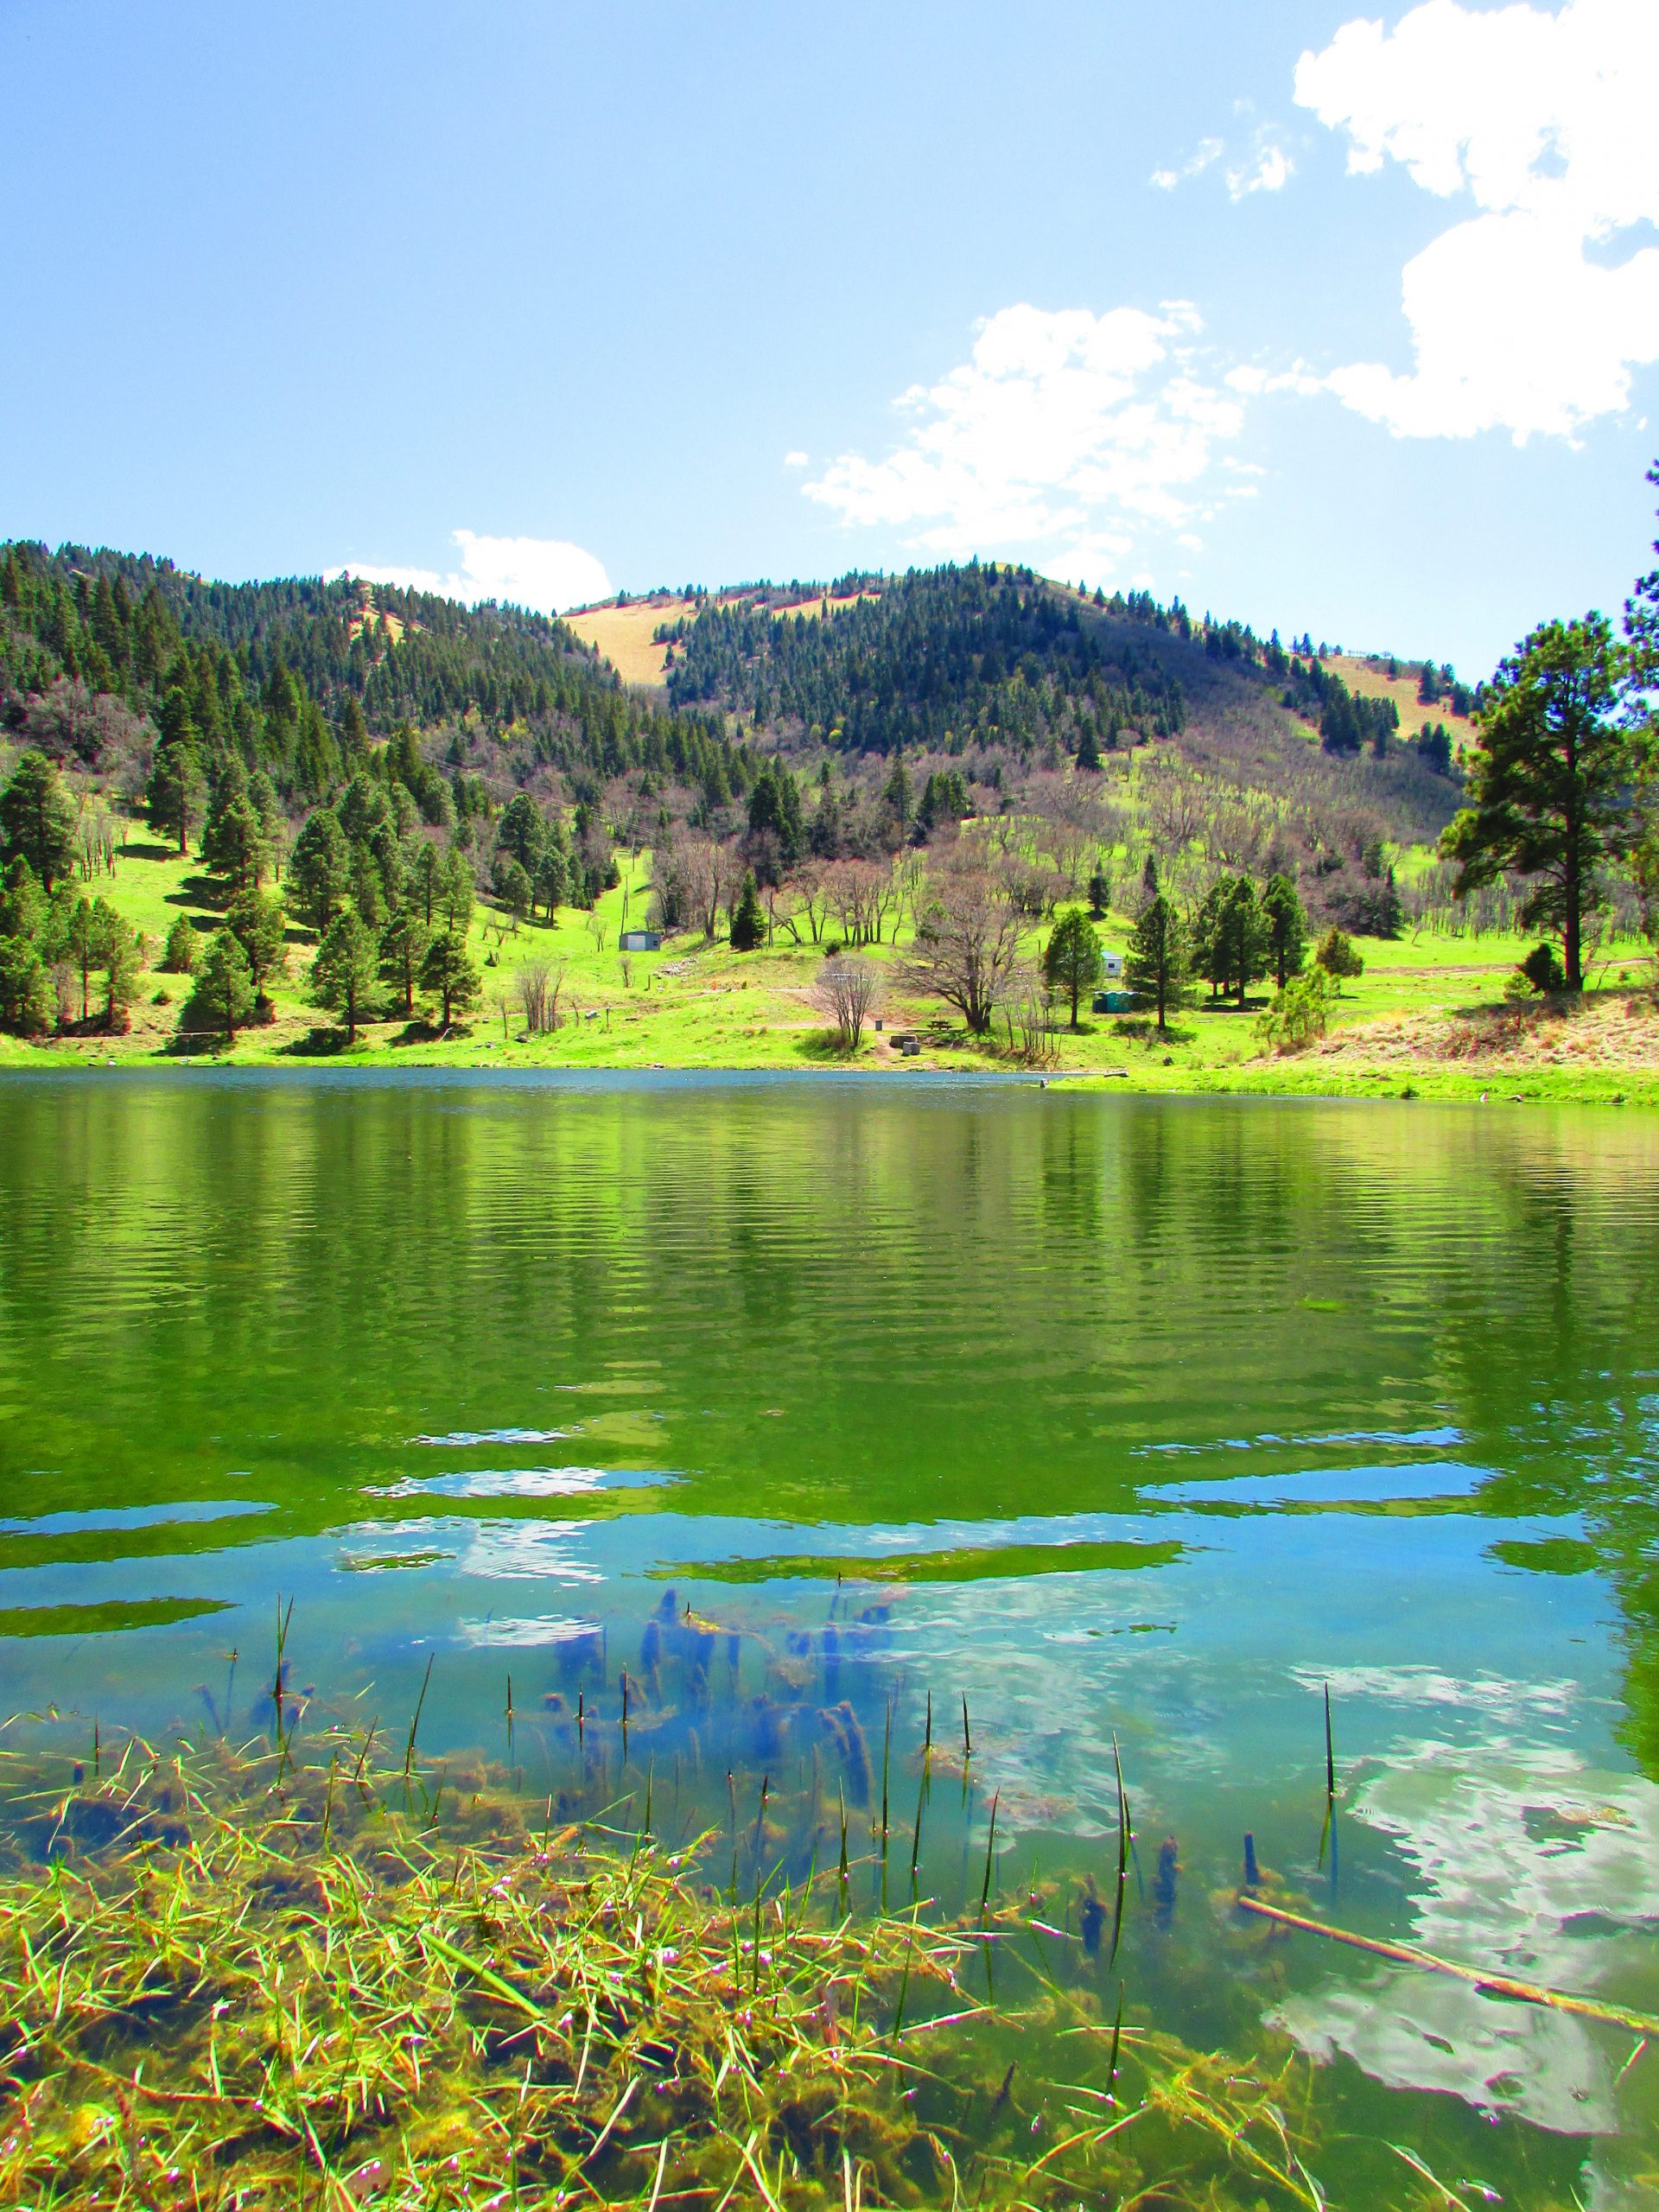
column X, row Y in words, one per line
column 1427, row 1018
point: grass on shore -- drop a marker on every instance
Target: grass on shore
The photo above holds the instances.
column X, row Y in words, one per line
column 1428, row 1014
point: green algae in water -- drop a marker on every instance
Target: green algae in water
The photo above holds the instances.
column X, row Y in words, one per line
column 105, row 1616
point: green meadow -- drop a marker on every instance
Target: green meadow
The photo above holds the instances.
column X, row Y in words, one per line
column 1406, row 1023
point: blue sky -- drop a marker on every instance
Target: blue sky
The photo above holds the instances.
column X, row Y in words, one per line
column 1331, row 322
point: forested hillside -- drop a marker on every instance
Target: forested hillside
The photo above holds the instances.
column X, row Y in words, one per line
column 354, row 765
column 296, row 677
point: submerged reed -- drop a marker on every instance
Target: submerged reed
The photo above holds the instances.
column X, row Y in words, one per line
column 239, row 1981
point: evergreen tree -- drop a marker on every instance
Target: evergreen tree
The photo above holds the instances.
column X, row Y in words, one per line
column 26, row 997
column 346, row 969
column 896, row 791
column 552, row 880
column 174, row 792
column 1089, row 748
column 233, row 844
column 1286, row 920
column 404, row 944
column 456, row 893
column 775, row 811
column 222, row 997
column 260, row 927
column 37, row 819
column 521, row 833
column 1071, row 960
column 23, row 906
column 1551, row 779
column 1230, row 938
column 116, row 952
column 447, row 970
column 1100, row 895
column 425, row 880
column 748, row 922
column 179, row 955
column 1337, row 954
column 319, row 871
column 1158, row 963
column 353, row 736
column 74, row 940
column 512, row 885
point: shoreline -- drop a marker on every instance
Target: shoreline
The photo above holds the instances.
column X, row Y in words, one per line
column 1313, row 1076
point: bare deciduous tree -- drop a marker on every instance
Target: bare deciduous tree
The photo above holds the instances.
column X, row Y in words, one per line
column 539, row 984
column 849, row 991
column 967, row 944
column 1028, row 1012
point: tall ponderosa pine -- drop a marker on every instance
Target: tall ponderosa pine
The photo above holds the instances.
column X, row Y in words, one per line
column 447, row 970
column 1158, row 964
column 1230, row 938
column 37, row 819
column 260, row 927
column 1072, row 961
column 174, row 792
column 116, row 950
column 346, row 969
column 404, row 944
column 319, row 878
column 223, row 998
column 1286, row 920
column 1553, row 779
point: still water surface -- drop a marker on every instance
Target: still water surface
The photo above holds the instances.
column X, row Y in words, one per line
column 1117, row 1417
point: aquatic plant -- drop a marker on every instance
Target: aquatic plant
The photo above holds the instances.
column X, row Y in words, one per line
column 239, row 1980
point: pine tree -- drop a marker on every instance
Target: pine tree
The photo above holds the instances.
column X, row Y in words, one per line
column 552, row 880
column 447, row 970
column 404, row 944
column 223, row 998
column 1089, row 748
column 1100, row 895
column 521, row 833
column 1551, row 779
column 260, row 927
column 748, row 923
column 1230, row 938
column 174, row 792
column 457, row 890
column 116, row 949
column 1071, row 960
column 1158, row 963
column 346, row 969
column 179, row 955
column 26, row 999
column 319, row 878
column 1287, row 921
column 37, row 819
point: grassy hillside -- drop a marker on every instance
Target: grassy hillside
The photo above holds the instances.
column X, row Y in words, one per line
column 1427, row 1015
column 831, row 742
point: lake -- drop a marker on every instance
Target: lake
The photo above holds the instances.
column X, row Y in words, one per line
column 803, row 1401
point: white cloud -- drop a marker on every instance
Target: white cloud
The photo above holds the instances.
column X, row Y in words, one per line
column 1067, row 435
column 795, row 459
column 1266, row 167
column 1209, row 150
column 548, row 573
column 1544, row 121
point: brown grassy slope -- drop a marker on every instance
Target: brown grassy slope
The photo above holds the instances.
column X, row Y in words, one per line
column 1370, row 679
column 1237, row 731
column 624, row 634
column 1605, row 1029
